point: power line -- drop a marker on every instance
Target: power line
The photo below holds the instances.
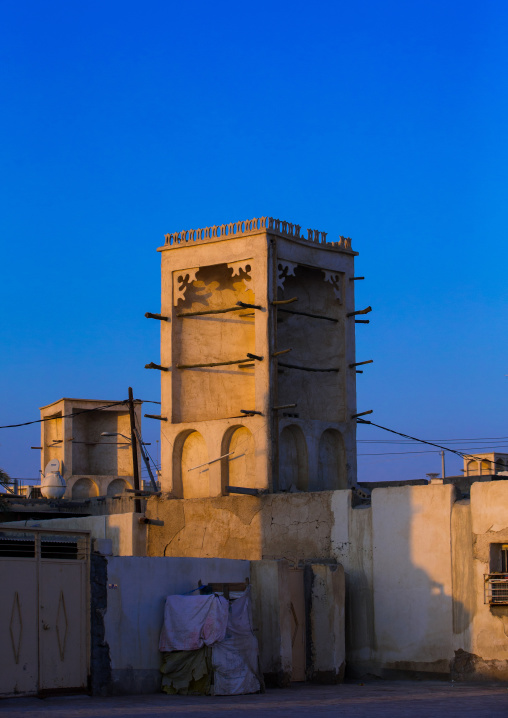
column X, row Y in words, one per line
column 64, row 416
column 491, row 449
column 448, row 441
column 399, row 453
column 462, row 454
column 451, row 441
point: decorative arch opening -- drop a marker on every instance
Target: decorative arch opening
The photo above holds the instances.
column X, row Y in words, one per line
column 293, row 462
column 191, row 466
column 472, row 468
column 84, row 489
column 117, row 486
column 485, row 467
column 331, row 461
column 239, row 468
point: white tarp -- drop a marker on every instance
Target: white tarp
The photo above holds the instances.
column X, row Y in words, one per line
column 235, row 657
column 191, row 622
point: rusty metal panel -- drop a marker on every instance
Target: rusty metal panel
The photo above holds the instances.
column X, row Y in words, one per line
column 18, row 626
column 297, row 609
column 62, row 624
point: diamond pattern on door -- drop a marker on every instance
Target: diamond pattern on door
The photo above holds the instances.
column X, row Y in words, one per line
column 295, row 623
column 16, row 627
column 61, row 625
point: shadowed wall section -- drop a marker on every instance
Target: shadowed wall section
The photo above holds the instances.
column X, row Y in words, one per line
column 331, row 461
column 315, row 343
column 293, row 461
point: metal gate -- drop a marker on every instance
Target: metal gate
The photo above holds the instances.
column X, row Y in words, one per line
column 44, row 616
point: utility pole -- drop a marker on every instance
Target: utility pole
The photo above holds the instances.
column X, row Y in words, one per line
column 442, row 465
column 135, row 468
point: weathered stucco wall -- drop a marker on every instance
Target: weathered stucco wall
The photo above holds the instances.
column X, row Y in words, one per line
column 130, row 593
column 361, row 639
column 414, row 562
column 489, row 632
column 325, row 599
column 291, row 526
column 412, row 577
column 272, row 617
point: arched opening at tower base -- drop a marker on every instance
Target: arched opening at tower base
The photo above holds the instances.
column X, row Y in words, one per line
column 239, row 467
column 331, row 461
column 293, row 462
column 190, row 467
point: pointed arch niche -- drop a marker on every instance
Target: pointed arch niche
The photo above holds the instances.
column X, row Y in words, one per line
column 239, row 469
column 293, row 462
column 331, row 461
column 190, row 452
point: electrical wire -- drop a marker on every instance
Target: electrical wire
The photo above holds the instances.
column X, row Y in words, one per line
column 450, row 441
column 64, row 416
column 247, row 438
column 462, row 454
column 143, row 448
column 430, row 451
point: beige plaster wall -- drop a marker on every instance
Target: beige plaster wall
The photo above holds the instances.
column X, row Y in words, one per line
column 290, row 526
column 414, row 564
column 412, row 577
column 326, row 597
column 356, row 554
column 272, row 618
column 489, row 631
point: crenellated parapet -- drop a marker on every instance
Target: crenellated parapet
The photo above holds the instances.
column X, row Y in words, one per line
column 254, row 226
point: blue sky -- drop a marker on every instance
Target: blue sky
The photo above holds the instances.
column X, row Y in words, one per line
column 383, row 121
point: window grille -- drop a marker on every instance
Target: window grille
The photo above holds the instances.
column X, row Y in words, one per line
column 496, row 588
column 44, row 544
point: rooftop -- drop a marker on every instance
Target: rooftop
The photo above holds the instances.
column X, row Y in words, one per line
column 104, row 402
column 255, row 226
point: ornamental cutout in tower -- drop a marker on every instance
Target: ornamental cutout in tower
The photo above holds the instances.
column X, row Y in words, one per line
column 256, row 348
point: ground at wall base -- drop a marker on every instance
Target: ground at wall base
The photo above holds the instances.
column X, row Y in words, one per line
column 393, row 699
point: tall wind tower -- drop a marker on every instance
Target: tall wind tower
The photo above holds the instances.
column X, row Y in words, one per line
column 257, row 360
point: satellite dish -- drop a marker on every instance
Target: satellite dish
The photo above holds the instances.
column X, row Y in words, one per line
column 52, row 467
column 53, row 484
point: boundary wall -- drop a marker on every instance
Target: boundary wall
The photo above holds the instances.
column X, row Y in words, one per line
column 414, row 559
